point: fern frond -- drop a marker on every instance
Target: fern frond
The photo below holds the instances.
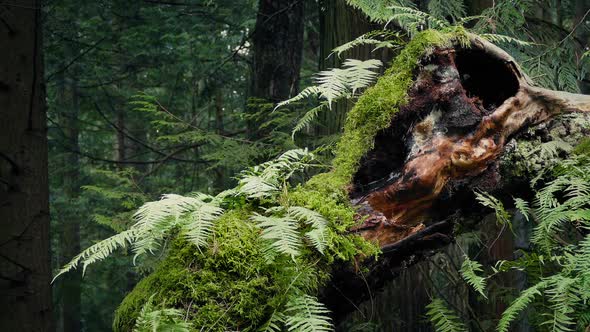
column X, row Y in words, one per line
column 413, row 20
column 308, row 216
column 306, row 314
column 498, row 38
column 151, row 319
column 274, row 323
column 523, row 207
column 317, row 236
column 305, row 93
column 485, row 199
column 307, row 118
column 469, row 270
column 564, row 295
column 257, row 187
column 200, row 223
column 360, row 73
column 359, row 41
column 519, row 304
column 442, row 318
column 282, row 233
column 155, row 219
column 98, row 251
column 332, row 84
column 318, row 239
column 443, row 9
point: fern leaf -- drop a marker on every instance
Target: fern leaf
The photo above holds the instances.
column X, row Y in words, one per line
column 523, row 207
column 151, row 319
column 442, row 318
column 497, row 38
column 308, row 216
column 307, row 118
column 155, row 219
column 519, row 304
column 469, row 270
column 274, row 323
column 282, row 232
column 200, row 224
column 98, row 251
column 257, row 187
column 305, row 93
column 485, row 199
column 306, row 314
column 360, row 73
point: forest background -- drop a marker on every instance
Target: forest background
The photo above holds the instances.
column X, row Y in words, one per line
column 152, row 97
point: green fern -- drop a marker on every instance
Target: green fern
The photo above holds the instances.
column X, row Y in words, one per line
column 274, row 323
column 307, row 118
column 318, row 235
column 442, row 318
column 200, row 224
column 485, row 199
column 498, row 38
column 151, row 319
column 282, row 233
column 519, row 304
column 469, row 270
column 443, row 9
column 523, row 207
column 392, row 41
column 98, row 251
column 306, row 314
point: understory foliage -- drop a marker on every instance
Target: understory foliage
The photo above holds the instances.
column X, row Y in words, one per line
column 557, row 264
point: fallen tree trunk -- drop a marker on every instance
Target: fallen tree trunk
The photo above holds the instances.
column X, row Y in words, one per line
column 466, row 109
column 444, row 121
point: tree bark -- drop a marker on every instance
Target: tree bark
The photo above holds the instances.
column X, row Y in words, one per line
column 25, row 292
column 465, row 107
column 341, row 23
column 277, row 47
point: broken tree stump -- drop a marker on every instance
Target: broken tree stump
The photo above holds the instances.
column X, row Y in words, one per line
column 466, row 104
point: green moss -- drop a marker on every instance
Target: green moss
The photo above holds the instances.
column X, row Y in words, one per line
column 375, row 108
column 232, row 285
column 229, row 284
column 583, row 148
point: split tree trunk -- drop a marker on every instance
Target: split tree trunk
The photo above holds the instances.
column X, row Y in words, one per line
column 465, row 106
column 25, row 271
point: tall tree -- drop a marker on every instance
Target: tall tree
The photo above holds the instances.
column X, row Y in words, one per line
column 277, row 45
column 339, row 24
column 25, row 292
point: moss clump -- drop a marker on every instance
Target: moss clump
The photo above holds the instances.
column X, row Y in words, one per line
column 375, row 108
column 583, row 148
column 232, row 285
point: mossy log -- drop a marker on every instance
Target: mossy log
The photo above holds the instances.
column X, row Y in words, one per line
column 467, row 110
column 453, row 114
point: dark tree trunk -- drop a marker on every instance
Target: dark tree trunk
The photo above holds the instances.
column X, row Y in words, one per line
column 25, row 272
column 340, row 23
column 465, row 108
column 277, row 47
